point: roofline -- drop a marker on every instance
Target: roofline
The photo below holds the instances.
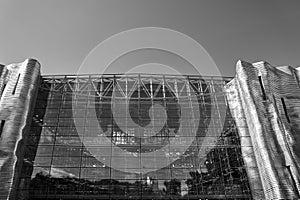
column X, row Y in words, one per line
column 135, row 74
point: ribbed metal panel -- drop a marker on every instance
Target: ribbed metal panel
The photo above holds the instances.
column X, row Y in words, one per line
column 236, row 106
column 15, row 109
column 275, row 140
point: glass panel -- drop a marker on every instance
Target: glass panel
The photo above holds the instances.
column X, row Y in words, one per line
column 70, row 152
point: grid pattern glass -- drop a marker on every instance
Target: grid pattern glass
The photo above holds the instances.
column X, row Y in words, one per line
column 60, row 157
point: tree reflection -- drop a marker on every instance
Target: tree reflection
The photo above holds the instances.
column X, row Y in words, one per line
column 173, row 187
column 43, row 183
column 225, row 173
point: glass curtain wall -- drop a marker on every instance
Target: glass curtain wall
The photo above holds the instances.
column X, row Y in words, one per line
column 133, row 137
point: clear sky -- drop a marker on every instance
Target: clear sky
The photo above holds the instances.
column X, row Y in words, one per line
column 60, row 34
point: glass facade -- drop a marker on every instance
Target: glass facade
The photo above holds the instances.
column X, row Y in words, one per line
column 133, row 137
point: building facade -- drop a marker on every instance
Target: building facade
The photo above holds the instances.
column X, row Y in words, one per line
column 266, row 101
column 143, row 136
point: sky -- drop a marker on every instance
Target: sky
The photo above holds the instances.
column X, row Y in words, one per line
column 60, row 34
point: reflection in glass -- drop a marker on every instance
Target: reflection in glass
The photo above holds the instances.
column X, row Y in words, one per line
column 57, row 164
